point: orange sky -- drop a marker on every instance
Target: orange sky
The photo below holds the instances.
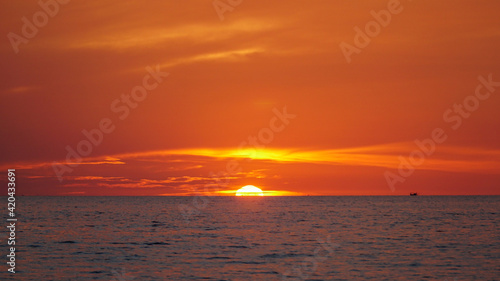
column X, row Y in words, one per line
column 220, row 109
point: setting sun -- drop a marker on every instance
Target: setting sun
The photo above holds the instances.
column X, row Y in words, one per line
column 249, row 190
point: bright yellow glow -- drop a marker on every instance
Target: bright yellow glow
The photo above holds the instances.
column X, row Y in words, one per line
column 383, row 155
column 249, row 190
column 231, row 192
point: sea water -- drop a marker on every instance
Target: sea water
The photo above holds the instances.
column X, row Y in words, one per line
column 256, row 238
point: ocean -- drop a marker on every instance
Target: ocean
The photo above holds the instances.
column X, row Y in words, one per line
column 256, row 238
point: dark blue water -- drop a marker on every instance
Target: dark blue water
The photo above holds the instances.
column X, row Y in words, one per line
column 261, row 238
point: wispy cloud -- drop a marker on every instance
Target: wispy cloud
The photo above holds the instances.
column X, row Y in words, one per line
column 449, row 158
column 20, row 89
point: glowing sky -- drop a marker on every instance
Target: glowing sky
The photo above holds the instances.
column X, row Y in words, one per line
column 264, row 97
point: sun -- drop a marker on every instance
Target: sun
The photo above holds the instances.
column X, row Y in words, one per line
column 249, row 190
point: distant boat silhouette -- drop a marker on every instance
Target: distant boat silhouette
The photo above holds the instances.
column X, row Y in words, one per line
column 413, row 194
